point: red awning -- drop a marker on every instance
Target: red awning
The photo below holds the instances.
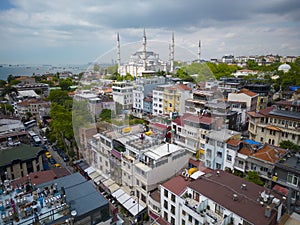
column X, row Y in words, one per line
column 281, row 190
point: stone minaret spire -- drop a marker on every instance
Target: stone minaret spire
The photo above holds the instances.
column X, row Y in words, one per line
column 172, row 54
column 199, row 51
column 118, row 52
column 144, row 49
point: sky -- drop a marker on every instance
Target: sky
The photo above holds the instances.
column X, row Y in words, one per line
column 81, row 31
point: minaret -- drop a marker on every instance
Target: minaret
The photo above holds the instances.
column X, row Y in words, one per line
column 199, row 51
column 172, row 54
column 118, row 52
column 144, row 49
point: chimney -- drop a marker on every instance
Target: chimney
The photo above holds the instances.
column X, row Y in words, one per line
column 268, row 211
column 244, row 187
column 235, row 197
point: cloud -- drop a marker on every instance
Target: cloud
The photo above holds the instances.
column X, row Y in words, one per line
column 90, row 26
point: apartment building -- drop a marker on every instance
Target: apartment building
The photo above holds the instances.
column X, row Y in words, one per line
column 19, row 161
column 254, row 156
column 142, row 88
column 275, row 124
column 263, row 91
column 174, row 98
column 147, row 163
column 35, row 107
column 244, row 95
column 217, row 197
column 157, row 105
column 286, row 177
column 190, row 132
column 196, row 104
column 216, row 145
column 123, row 94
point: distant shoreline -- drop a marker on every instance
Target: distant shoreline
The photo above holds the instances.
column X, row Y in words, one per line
column 30, row 70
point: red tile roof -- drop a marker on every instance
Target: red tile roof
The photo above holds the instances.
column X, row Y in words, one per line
column 155, row 195
column 266, row 111
column 220, row 189
column 199, row 119
column 269, row 153
column 234, row 142
column 281, row 190
column 247, row 92
column 245, row 151
column 255, row 114
column 177, row 185
column 158, row 125
column 184, row 87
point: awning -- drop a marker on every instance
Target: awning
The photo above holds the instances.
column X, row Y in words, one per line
column 273, row 128
column 281, row 190
column 128, row 202
column 89, row 170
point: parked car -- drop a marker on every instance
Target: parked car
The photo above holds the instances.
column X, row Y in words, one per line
column 52, row 161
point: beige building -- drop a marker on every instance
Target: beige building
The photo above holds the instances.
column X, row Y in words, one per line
column 274, row 125
column 174, row 98
column 19, row 161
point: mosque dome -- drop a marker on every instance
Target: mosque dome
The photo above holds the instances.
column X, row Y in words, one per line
column 284, row 67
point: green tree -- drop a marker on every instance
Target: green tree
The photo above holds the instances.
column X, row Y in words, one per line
column 6, row 109
column 59, row 96
column 65, row 83
column 254, row 177
column 9, row 90
column 287, row 144
column 106, row 115
column 96, row 67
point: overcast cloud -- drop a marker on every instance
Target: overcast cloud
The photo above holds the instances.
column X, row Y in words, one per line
column 79, row 31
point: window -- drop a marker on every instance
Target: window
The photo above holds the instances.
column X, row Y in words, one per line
column 166, row 216
column 219, row 154
column 183, row 212
column 190, row 218
column 219, row 209
column 173, row 209
column 292, row 179
column 165, row 204
column 220, row 144
column 262, row 129
column 261, row 139
column 166, row 193
column 196, row 222
column 229, row 158
column 173, row 198
column 172, row 221
column 182, row 222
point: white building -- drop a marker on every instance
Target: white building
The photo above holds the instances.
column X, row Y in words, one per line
column 143, row 88
column 217, row 198
column 123, row 94
column 158, row 92
column 216, row 145
column 144, row 61
column 244, row 95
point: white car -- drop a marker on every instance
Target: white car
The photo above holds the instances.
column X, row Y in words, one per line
column 45, row 139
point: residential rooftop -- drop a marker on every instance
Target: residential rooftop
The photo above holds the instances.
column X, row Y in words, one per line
column 21, row 152
column 290, row 162
column 222, row 134
column 220, row 186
